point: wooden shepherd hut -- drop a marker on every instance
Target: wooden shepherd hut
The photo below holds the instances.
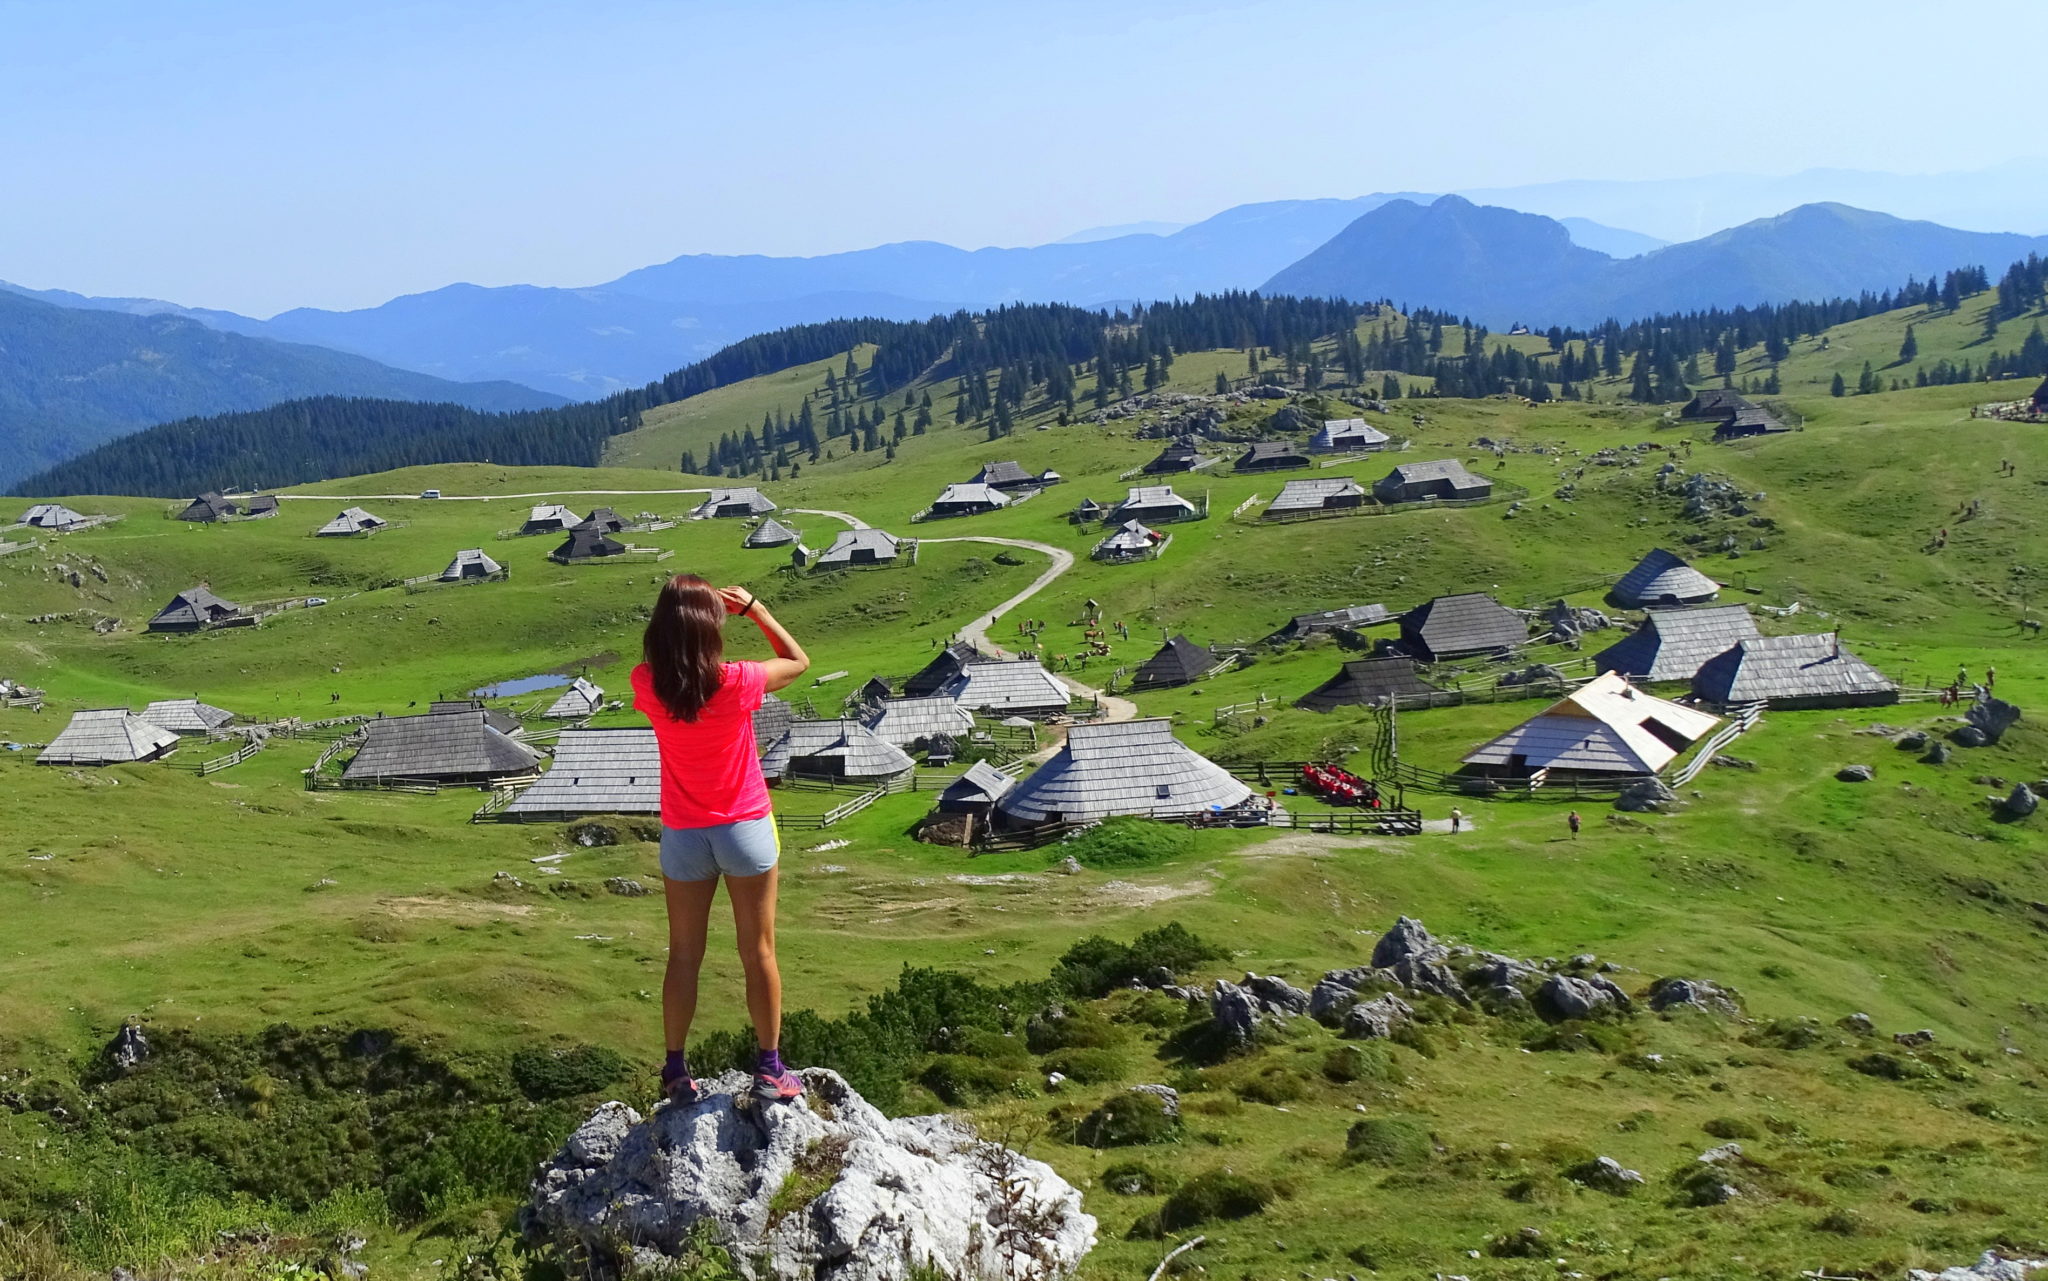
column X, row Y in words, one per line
column 108, row 736
column 1009, row 687
column 1121, row 767
column 727, row 504
column 1370, row 682
column 1661, row 580
column 1179, row 455
column 772, row 533
column 1128, row 541
column 585, row 545
column 1348, row 435
column 1440, row 478
column 1604, row 727
column 549, row 518
column 1154, row 505
column 1460, row 627
column 351, row 522
column 595, row 771
column 1009, row 474
column 196, row 609
column 54, row 518
column 1178, row 662
column 1322, row 494
column 1272, row 455
column 835, row 749
column 971, row 499
column 455, row 747
column 581, row 699
column 941, row 671
column 187, row 716
column 471, row 563
column 1673, row 644
column 1792, row 672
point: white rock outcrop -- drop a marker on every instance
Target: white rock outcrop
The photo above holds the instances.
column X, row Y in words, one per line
column 825, row 1189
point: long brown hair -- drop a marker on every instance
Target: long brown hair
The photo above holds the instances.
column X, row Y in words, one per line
column 684, row 645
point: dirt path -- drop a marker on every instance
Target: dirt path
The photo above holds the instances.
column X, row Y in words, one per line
column 852, row 521
column 976, row 632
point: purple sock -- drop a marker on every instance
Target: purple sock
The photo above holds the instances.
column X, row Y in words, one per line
column 676, row 1067
column 769, row 1063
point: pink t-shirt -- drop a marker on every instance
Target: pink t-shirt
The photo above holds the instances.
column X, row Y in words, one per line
column 710, row 772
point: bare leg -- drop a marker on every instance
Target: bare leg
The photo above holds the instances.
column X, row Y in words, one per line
column 689, row 913
column 753, row 916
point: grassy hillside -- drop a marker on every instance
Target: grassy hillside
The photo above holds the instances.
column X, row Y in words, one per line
column 223, row 904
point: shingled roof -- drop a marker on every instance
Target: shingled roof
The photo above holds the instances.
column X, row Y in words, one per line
column 1444, row 477
column 1715, row 402
column 186, row 716
column 1160, row 500
column 1331, row 620
column 1122, row 767
column 1004, row 475
column 597, row 771
column 1368, row 682
column 1662, row 578
column 602, row 519
column 579, row 700
column 587, row 544
column 448, row 746
column 548, row 518
column 470, row 562
column 1792, row 671
column 352, row 520
column 772, row 533
column 771, row 720
column 1178, row 662
column 1128, row 539
column 1265, row 455
column 1457, row 626
column 972, row 494
column 1002, row 687
column 1347, row 433
column 53, row 516
column 839, row 748
column 1606, row 726
column 861, row 547
column 977, row 789
column 947, row 664
column 1317, row 494
column 503, row 722
column 911, row 721
column 107, row 736
column 1672, row 644
column 1179, row 455
column 192, row 608
column 745, row 501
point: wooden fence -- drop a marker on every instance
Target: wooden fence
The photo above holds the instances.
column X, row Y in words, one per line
column 1503, row 492
column 234, row 758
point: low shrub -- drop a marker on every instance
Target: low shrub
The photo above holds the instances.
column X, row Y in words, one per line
column 1802, row 1033
column 1065, row 1027
column 1129, row 1119
column 961, row 1081
column 1088, row 1065
column 1136, row 1178
column 1096, row 966
column 1274, row 1084
column 1387, row 1141
column 1206, row 1198
column 1728, row 1127
column 544, row 1074
column 1890, row 1067
column 1347, row 1063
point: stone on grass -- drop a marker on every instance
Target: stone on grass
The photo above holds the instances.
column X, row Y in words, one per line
column 1337, row 992
column 1715, row 1156
column 625, row 886
column 880, row 1198
column 1990, row 718
column 1698, row 994
column 1938, row 753
column 1378, row 1018
column 1410, row 940
column 1608, row 1175
column 128, row 1049
column 1855, row 773
column 1236, row 1010
column 2021, row 802
column 1990, row 1266
column 1648, row 795
column 590, row 834
column 1913, row 740
column 1565, row 997
column 1859, row 1023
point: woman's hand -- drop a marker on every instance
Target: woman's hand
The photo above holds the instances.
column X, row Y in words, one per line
column 736, row 599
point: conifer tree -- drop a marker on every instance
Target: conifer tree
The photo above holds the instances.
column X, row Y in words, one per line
column 1910, row 347
column 1840, row 387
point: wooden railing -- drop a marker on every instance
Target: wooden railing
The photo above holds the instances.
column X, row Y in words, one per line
column 234, row 758
column 1742, row 720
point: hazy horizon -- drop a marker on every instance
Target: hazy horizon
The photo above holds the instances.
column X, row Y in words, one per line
column 233, row 155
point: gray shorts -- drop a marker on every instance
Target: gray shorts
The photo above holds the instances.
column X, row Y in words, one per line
column 746, row 848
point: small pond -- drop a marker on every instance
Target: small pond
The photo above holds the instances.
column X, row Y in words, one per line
column 523, row 685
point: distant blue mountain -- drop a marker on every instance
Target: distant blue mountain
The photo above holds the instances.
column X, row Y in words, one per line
column 1500, row 266
column 75, row 375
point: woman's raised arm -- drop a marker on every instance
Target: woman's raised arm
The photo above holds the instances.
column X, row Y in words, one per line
column 790, row 661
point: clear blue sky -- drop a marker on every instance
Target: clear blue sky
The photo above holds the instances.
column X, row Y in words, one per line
column 258, row 154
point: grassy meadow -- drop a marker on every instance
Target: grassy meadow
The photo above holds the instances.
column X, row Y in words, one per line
column 221, row 906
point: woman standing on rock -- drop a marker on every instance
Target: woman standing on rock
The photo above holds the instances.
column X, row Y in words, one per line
column 715, row 818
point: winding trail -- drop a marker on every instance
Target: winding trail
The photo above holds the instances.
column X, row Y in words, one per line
column 487, row 498
column 976, row 632
column 852, row 521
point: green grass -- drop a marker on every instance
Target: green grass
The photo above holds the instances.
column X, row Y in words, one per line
column 239, row 900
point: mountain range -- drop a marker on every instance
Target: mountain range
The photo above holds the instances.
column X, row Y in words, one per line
column 71, row 377
column 1500, row 266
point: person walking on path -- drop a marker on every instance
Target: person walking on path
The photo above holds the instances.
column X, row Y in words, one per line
column 1990, row 678
column 1457, row 819
column 1572, row 820
column 715, row 817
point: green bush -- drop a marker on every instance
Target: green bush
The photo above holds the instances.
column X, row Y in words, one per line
column 1089, row 1066
column 1063, row 1027
column 983, row 1043
column 1096, row 966
column 544, row 1074
column 1136, row 1178
column 1217, row 1194
column 1788, row 1034
column 1890, row 1067
column 1274, row 1084
column 1127, row 1120
column 1151, row 1009
column 1728, row 1127
column 1126, row 842
column 1347, row 1063
column 1387, row 1141
column 962, row 1081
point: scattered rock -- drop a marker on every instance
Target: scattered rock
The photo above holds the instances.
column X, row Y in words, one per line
column 1913, row 740
column 128, row 1050
column 1379, row 1018
column 2021, row 802
column 1990, row 718
column 1169, row 1098
column 1237, row 1010
column 1697, row 994
column 1068, row 866
column 590, row 834
column 1408, row 940
column 1855, row 773
column 1715, row 1156
column 1606, row 1174
column 892, row 1196
column 1650, row 795
column 1938, row 753
column 1859, row 1023
column 1989, row 1267
column 1925, row 1036
column 1565, row 997
column 1336, row 993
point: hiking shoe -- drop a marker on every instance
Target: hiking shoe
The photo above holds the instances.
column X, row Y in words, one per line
column 680, row 1089
column 779, row 1087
